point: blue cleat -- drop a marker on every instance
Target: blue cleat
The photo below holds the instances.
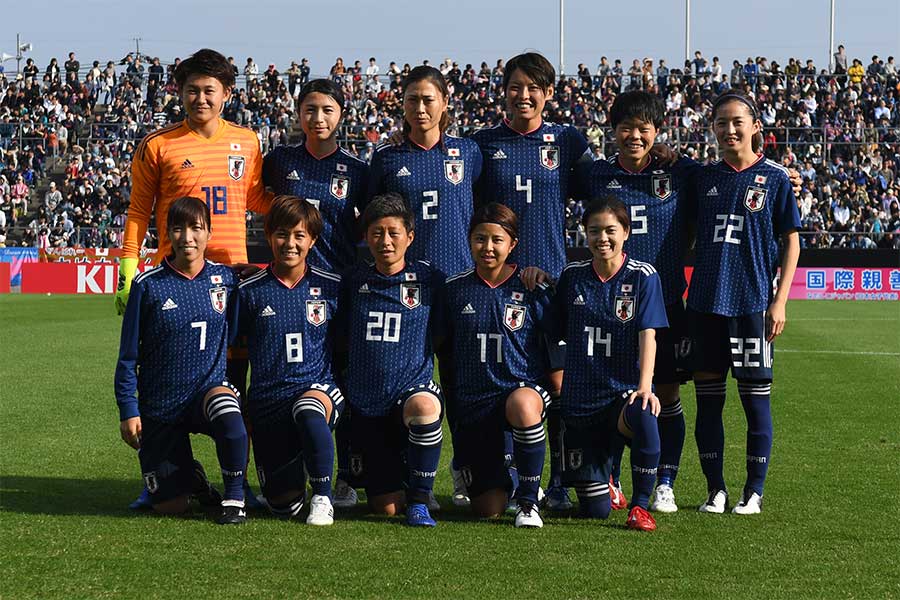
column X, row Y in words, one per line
column 251, row 500
column 142, row 502
column 557, row 499
column 417, row 515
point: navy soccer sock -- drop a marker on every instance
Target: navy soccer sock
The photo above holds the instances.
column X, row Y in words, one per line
column 593, row 499
column 644, row 452
column 342, row 444
column 509, row 459
column 755, row 399
column 616, row 452
column 318, row 447
column 423, row 455
column 671, row 442
column 710, row 431
column 224, row 414
column 553, row 435
column 529, row 447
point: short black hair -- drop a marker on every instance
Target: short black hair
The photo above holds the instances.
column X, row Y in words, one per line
column 638, row 104
column 322, row 86
column 187, row 210
column 535, row 65
column 390, row 204
column 287, row 211
column 208, row 63
column 609, row 204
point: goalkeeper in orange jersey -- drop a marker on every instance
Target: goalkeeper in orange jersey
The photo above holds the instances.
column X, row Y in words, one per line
column 203, row 156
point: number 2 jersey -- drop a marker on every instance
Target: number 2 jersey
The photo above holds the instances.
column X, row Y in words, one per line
column 740, row 216
column 390, row 321
column 290, row 332
column 175, row 336
column 600, row 322
column 497, row 339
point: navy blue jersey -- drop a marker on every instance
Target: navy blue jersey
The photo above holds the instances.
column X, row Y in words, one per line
column 657, row 201
column 600, row 321
column 740, row 216
column 497, row 339
column 289, row 338
column 390, row 321
column 175, row 336
column 334, row 184
column 530, row 173
column 437, row 184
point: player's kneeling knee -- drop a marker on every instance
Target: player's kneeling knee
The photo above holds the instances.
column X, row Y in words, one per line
column 593, row 499
column 175, row 506
column 638, row 419
column 421, row 409
column 223, row 410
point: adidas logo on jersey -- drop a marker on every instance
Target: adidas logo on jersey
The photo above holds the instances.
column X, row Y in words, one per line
column 187, row 164
column 169, row 304
column 364, row 288
column 467, row 310
column 267, row 312
column 613, row 185
column 403, row 172
column 499, row 155
column 713, row 192
column 292, row 176
column 579, row 300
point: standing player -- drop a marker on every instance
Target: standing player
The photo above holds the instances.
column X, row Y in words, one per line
column 389, row 307
column 745, row 203
column 528, row 164
column 607, row 309
column 203, row 156
column 654, row 193
column 286, row 312
column 333, row 181
column 492, row 328
column 170, row 377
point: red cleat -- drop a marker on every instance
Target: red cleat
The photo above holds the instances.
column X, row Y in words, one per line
column 640, row 519
column 616, row 497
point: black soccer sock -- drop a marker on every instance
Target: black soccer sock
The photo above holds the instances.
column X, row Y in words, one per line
column 224, row 414
column 318, row 446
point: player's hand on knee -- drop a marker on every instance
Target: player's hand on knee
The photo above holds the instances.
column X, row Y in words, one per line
column 647, row 398
column 776, row 316
column 664, row 154
column 130, row 430
column 532, row 276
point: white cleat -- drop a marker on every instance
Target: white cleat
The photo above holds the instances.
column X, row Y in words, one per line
column 664, row 500
column 527, row 515
column 344, row 495
column 433, row 505
column 749, row 505
column 715, row 502
column 320, row 511
column 460, row 493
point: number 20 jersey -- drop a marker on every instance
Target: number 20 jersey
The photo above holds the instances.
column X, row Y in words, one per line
column 390, row 321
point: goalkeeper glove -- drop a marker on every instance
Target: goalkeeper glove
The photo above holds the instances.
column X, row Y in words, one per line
column 127, row 268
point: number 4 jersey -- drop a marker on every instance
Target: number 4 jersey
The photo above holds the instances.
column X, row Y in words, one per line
column 740, row 215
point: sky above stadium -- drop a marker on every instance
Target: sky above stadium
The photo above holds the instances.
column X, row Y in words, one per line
column 468, row 31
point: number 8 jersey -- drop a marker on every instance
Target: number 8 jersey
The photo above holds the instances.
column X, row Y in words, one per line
column 740, row 215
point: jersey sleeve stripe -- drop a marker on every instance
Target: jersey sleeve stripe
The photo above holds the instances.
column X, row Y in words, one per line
column 254, row 277
column 148, row 273
column 325, row 274
column 460, row 275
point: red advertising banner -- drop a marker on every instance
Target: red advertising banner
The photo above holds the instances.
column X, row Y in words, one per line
column 69, row 278
column 4, row 278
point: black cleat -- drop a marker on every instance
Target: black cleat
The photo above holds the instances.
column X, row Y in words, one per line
column 232, row 515
column 203, row 491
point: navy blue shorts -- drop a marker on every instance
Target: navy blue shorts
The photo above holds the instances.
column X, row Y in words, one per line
column 556, row 354
column 719, row 343
column 378, row 446
column 167, row 461
column 671, row 342
column 587, row 443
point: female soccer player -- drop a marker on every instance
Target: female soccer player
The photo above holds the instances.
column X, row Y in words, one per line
column 493, row 330
column 389, row 308
column 333, row 181
column 745, row 203
column 170, row 377
column 608, row 309
column 287, row 312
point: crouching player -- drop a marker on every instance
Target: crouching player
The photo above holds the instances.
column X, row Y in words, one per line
column 286, row 312
column 389, row 306
column 492, row 326
column 170, row 377
column 608, row 309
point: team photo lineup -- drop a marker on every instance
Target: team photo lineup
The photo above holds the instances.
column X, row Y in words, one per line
column 430, row 286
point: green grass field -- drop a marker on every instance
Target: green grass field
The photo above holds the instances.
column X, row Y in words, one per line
column 829, row 530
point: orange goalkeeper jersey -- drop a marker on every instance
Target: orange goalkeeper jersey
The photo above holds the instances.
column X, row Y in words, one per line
column 225, row 171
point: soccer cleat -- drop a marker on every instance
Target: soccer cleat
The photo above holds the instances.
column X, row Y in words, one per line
column 344, row 495
column 203, row 491
column 664, row 501
column 142, row 502
column 460, row 493
column 320, row 511
column 253, row 501
column 433, row 504
column 232, row 514
column 749, row 505
column 617, row 499
column 417, row 515
column 640, row 519
column 557, row 499
column 527, row 515
column 715, row 502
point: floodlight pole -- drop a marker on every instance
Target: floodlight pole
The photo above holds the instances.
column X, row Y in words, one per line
column 831, row 62
column 18, row 54
column 687, row 29
column 562, row 37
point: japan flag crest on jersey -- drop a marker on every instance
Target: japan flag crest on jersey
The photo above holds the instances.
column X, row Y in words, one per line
column 409, row 295
column 662, row 186
column 453, row 171
column 624, row 308
column 514, row 317
column 236, row 166
column 218, row 296
column 550, row 157
column 339, row 186
column 316, row 312
column 755, row 198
